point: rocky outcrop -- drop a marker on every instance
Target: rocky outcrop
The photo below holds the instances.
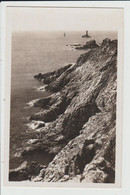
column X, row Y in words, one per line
column 79, row 119
column 89, row 45
column 26, row 172
column 51, row 76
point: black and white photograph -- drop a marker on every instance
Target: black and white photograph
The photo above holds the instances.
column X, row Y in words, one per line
column 64, row 101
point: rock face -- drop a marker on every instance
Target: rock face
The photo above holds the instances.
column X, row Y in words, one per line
column 89, row 45
column 80, row 119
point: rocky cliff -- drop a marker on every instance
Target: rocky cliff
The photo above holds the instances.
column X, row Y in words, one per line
column 78, row 121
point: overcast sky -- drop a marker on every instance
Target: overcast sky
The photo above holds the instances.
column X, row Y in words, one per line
column 49, row 19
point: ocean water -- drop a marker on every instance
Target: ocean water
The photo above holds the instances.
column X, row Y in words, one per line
column 32, row 53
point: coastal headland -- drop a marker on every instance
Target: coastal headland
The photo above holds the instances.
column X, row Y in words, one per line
column 76, row 126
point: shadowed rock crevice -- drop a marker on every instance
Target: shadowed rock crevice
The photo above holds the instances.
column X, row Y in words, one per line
column 111, row 153
column 78, row 163
column 74, row 123
column 86, row 156
column 53, row 107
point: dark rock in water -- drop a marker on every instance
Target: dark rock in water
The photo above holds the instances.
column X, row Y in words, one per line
column 76, row 44
column 89, row 45
column 25, row 173
column 20, row 175
column 80, row 118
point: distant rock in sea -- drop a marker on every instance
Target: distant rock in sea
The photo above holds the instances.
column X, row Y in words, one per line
column 89, row 45
column 75, row 44
column 80, row 134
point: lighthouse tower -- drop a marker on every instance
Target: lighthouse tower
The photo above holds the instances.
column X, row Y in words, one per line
column 86, row 33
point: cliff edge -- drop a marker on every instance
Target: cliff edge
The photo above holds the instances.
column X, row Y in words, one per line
column 78, row 121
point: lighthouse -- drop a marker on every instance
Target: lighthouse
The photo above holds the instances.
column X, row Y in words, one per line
column 87, row 35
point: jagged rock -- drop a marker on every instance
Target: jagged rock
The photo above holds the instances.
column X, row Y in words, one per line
column 98, row 171
column 81, row 118
column 25, row 173
column 106, row 42
column 65, row 178
column 89, row 45
column 40, row 176
column 43, row 102
column 51, row 76
column 85, row 150
column 57, row 105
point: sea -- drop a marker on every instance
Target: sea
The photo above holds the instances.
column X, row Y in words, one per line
column 34, row 53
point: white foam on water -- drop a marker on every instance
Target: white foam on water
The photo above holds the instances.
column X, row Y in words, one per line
column 42, row 88
column 33, row 125
column 31, row 141
column 17, row 154
column 31, row 103
column 22, row 166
